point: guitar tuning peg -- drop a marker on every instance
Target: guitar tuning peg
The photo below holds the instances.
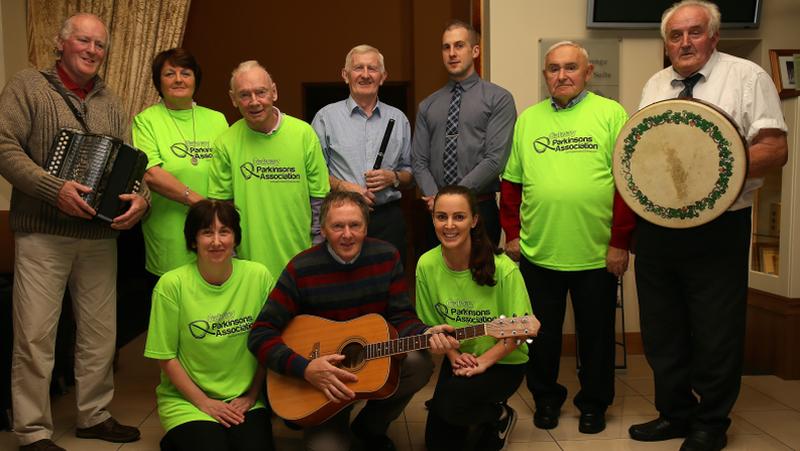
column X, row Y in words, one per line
column 505, row 342
column 529, row 340
column 519, row 341
column 502, row 316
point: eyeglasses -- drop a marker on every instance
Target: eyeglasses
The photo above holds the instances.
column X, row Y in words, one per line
column 260, row 94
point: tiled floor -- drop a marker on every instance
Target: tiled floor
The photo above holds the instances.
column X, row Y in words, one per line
column 766, row 416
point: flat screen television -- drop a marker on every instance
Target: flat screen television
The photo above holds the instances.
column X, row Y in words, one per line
column 647, row 13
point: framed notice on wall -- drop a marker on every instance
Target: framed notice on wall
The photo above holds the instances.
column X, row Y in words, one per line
column 603, row 54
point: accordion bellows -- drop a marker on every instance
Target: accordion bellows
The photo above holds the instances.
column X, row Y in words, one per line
column 103, row 163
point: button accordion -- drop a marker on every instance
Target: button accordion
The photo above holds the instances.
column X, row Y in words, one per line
column 103, row 163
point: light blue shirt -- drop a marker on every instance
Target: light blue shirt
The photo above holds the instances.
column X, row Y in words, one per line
column 351, row 140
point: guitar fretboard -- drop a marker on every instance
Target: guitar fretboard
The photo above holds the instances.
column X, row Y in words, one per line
column 417, row 342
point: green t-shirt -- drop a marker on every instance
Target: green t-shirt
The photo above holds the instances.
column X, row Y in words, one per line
column 174, row 143
column 563, row 161
column 205, row 327
column 451, row 297
column 270, row 178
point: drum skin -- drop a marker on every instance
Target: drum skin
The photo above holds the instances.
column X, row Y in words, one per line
column 680, row 163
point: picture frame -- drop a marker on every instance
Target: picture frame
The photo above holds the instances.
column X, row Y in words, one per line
column 785, row 72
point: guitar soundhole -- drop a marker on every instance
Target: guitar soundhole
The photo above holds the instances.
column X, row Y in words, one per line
column 353, row 353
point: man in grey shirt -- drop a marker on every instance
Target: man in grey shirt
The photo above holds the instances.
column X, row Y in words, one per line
column 481, row 116
column 351, row 132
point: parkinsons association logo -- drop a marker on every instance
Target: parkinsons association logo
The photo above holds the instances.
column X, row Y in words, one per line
column 271, row 170
column 196, row 150
column 464, row 312
column 220, row 327
column 564, row 142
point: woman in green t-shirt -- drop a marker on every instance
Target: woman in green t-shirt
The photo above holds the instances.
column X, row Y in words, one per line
column 467, row 281
column 177, row 136
column 209, row 397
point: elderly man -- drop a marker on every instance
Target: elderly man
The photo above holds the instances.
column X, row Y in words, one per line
column 55, row 243
column 692, row 283
column 463, row 131
column 569, row 231
column 351, row 132
column 345, row 277
column 270, row 164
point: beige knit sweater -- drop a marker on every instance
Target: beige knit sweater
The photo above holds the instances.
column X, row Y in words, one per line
column 31, row 114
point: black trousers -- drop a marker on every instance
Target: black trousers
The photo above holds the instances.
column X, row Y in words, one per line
column 463, row 408
column 386, row 222
column 594, row 298
column 692, row 287
column 255, row 434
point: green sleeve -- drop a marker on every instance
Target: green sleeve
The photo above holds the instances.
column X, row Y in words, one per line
column 515, row 294
column 424, row 302
column 316, row 169
column 220, row 177
column 144, row 139
column 513, row 170
column 162, row 334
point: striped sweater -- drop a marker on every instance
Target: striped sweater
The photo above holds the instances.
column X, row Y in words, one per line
column 314, row 283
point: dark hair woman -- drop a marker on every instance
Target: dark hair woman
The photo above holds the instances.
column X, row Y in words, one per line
column 209, row 397
column 176, row 135
column 463, row 282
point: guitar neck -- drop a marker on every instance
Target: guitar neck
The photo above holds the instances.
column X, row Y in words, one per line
column 417, row 342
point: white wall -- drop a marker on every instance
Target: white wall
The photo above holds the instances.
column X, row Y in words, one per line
column 515, row 27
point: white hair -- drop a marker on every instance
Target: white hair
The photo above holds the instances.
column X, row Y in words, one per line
column 244, row 66
column 714, row 16
column 360, row 50
column 68, row 27
column 567, row 43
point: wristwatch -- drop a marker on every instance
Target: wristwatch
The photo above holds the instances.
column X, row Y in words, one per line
column 396, row 182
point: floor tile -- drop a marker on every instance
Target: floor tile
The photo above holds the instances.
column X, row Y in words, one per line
column 751, row 400
column 766, row 416
column 783, row 425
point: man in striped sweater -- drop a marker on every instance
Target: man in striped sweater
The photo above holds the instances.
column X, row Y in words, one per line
column 345, row 277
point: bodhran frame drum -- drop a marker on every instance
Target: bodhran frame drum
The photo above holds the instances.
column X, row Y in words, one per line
column 680, row 163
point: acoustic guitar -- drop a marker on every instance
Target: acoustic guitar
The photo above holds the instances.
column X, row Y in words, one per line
column 371, row 349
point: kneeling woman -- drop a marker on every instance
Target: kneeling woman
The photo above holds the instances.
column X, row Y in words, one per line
column 209, row 396
column 467, row 281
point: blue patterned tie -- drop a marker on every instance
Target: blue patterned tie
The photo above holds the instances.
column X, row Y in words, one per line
column 450, row 157
column 688, row 84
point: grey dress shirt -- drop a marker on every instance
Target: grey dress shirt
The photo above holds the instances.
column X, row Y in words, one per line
column 350, row 142
column 485, row 129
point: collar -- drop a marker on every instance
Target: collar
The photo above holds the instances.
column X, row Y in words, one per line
column 466, row 84
column 353, row 108
column 705, row 71
column 575, row 100
column 340, row 259
column 277, row 123
column 81, row 92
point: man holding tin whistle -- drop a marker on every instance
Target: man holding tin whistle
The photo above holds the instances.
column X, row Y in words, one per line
column 367, row 145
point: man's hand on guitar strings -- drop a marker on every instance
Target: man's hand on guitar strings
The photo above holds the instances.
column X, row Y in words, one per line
column 330, row 380
column 441, row 341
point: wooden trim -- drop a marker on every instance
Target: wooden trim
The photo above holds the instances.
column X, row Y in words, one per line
column 772, row 340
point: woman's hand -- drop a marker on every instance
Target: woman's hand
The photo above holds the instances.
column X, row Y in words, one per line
column 464, row 360
column 242, row 404
column 481, row 365
column 223, row 412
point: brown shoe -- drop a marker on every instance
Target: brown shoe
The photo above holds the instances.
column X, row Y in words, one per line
column 42, row 445
column 110, row 431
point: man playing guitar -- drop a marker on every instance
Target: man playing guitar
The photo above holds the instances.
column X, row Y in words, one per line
column 343, row 278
